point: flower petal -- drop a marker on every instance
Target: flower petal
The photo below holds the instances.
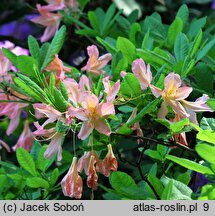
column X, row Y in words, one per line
column 183, row 93
column 102, row 127
column 86, row 130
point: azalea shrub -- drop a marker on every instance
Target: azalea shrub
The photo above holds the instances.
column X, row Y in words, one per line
column 132, row 119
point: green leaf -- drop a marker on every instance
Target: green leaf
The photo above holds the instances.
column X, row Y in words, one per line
column 30, row 87
column 196, row 43
column 61, row 127
column 43, row 53
column 55, row 46
column 135, row 28
column 207, row 123
column 42, row 163
column 60, row 103
column 195, row 26
column 83, row 3
column 10, row 55
column 154, row 59
column 54, row 177
column 156, row 183
column 94, row 22
column 26, row 161
column 119, row 179
column 34, row 48
column 130, row 86
column 175, row 28
column 64, row 90
column 202, row 53
column 178, row 126
column 184, row 178
column 108, row 46
column 167, row 192
column 118, row 64
column 207, row 135
column 26, row 89
column 211, row 103
column 181, row 47
column 37, row 182
column 183, row 13
column 125, row 109
column 206, row 151
column 153, row 154
column 127, row 48
column 190, row 164
column 108, row 18
column 179, row 190
column 208, row 192
column 26, row 64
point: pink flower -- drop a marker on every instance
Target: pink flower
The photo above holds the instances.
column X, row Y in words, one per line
column 50, row 20
column 57, row 66
column 198, row 106
column 75, row 90
column 95, row 63
column 143, row 74
column 5, row 145
column 123, row 74
column 92, row 113
column 72, row 184
column 92, row 177
column 83, row 162
column 110, row 91
column 172, row 94
column 26, row 139
column 5, row 64
column 12, row 110
column 109, row 163
column 43, row 110
column 54, row 5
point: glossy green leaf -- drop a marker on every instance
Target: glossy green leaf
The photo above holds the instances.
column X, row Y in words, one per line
column 26, row 161
column 37, row 182
column 190, row 164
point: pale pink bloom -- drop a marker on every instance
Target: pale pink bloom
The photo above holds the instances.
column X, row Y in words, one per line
column 92, row 177
column 26, row 139
column 50, row 20
column 54, row 5
column 95, row 63
column 43, row 110
column 57, row 66
column 75, row 90
column 198, row 106
column 12, row 110
column 110, row 91
column 92, row 113
column 143, row 73
column 172, row 94
column 123, row 74
column 136, row 126
column 108, row 164
column 83, row 162
column 180, row 138
column 72, row 184
column 5, row 64
column 5, row 145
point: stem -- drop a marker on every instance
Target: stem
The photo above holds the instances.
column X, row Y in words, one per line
column 170, row 143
